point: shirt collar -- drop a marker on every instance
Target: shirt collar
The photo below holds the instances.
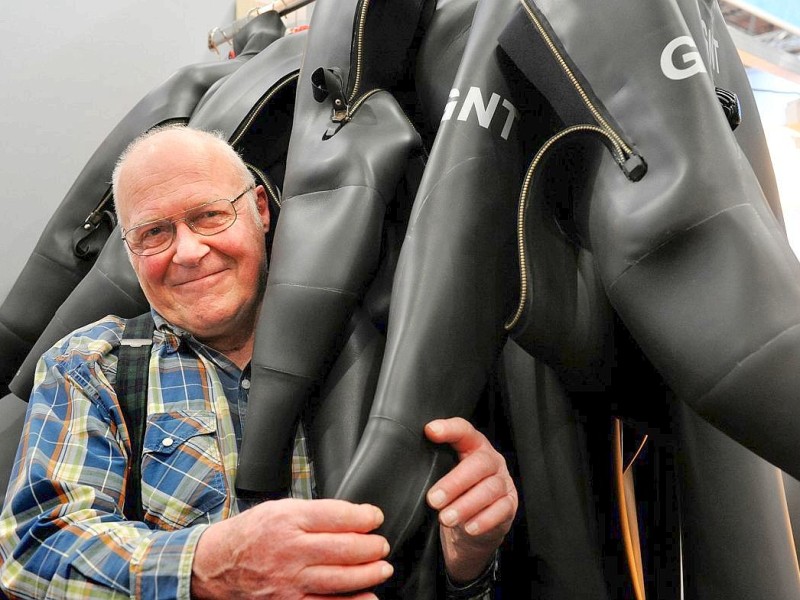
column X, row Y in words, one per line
column 173, row 336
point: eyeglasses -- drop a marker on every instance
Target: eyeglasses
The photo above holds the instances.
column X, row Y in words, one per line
column 207, row 219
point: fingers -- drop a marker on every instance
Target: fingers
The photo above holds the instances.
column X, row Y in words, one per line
column 457, row 432
column 477, row 500
column 327, row 579
column 343, row 562
column 344, row 548
column 484, row 506
column 470, row 472
column 492, row 520
column 327, row 515
column 480, row 478
column 323, row 547
column 495, row 520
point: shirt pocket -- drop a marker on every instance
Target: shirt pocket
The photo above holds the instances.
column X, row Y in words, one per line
column 182, row 473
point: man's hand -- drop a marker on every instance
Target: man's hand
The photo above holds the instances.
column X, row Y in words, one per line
column 290, row 549
column 476, row 500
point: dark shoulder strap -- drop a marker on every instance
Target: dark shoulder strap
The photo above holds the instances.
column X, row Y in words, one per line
column 131, row 388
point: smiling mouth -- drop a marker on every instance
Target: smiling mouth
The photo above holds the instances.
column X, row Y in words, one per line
column 202, row 279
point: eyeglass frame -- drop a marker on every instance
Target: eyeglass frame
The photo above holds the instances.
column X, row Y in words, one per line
column 174, row 218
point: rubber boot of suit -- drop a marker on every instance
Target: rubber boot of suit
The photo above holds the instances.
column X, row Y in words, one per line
column 350, row 148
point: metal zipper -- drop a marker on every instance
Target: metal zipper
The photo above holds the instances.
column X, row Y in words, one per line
column 237, row 136
column 523, row 204
column 94, row 217
column 343, row 114
column 353, row 107
column 362, row 22
column 351, row 110
column 574, row 80
column 272, row 189
column 631, row 164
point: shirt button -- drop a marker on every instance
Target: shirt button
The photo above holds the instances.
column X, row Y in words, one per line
column 246, row 384
column 167, row 442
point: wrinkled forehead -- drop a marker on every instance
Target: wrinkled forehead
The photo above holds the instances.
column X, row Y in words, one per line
column 168, row 174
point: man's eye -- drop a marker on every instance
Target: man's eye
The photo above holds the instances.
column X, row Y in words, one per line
column 153, row 232
column 211, row 217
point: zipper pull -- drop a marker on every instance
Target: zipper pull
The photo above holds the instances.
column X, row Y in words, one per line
column 96, row 217
column 634, row 167
column 89, row 238
column 99, row 213
column 328, row 82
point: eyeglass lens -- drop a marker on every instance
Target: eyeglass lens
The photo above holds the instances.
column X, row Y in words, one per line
column 207, row 219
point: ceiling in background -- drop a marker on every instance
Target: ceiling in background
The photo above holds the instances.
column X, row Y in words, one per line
column 766, row 40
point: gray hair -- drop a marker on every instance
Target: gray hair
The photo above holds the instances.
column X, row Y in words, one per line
column 215, row 139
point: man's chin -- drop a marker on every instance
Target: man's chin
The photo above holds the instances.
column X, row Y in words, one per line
column 210, row 325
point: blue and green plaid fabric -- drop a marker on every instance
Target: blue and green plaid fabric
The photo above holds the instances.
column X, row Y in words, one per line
column 62, row 531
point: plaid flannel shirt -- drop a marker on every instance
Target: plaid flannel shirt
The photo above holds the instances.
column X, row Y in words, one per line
column 62, row 531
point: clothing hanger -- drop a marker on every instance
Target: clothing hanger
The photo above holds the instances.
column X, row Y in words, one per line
column 222, row 35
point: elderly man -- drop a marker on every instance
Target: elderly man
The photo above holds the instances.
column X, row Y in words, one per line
column 194, row 223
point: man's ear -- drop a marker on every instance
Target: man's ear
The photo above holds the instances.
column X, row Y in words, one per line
column 262, row 203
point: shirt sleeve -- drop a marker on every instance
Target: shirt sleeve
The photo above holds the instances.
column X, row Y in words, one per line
column 62, row 531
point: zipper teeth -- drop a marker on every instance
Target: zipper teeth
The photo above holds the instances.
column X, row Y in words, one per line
column 351, row 111
column 261, row 103
column 574, row 80
column 522, row 249
column 357, row 104
column 102, row 204
column 268, row 183
column 362, row 20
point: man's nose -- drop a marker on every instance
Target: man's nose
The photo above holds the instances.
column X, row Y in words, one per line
column 190, row 247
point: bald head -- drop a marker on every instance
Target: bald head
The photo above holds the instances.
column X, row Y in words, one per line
column 206, row 153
